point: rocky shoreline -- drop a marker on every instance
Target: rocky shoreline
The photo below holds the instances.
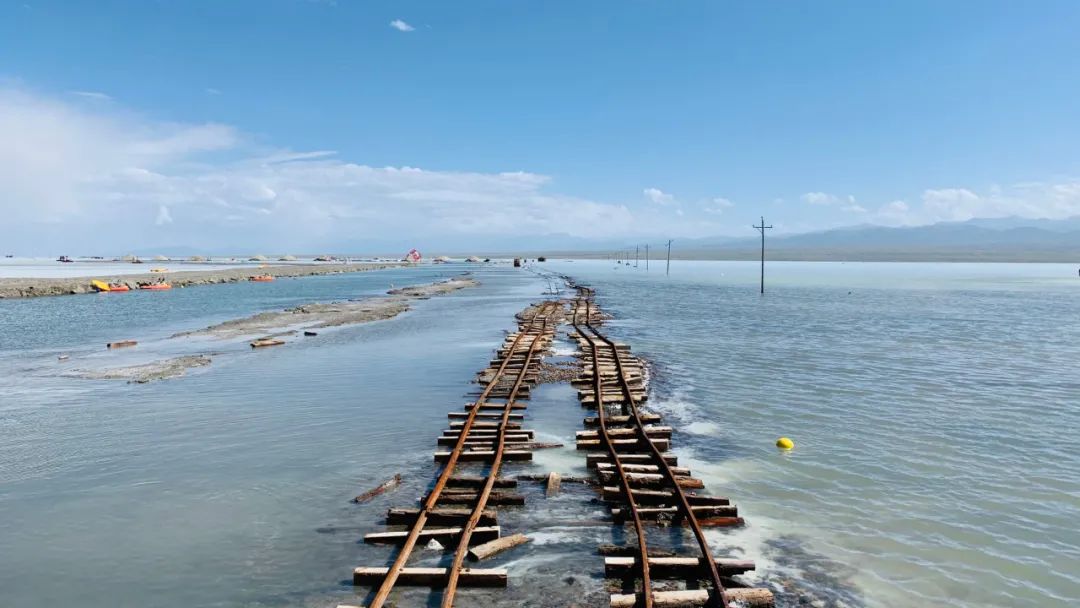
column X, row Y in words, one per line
column 31, row 288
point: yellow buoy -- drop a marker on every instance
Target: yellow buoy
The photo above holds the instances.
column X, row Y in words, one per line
column 784, row 443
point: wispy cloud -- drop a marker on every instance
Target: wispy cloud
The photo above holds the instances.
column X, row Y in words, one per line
column 819, row 198
column 717, row 205
column 92, row 95
column 77, row 167
column 845, row 203
column 401, row 26
column 658, row 196
column 211, row 91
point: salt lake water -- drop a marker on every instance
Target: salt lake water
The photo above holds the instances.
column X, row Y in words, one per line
column 934, row 409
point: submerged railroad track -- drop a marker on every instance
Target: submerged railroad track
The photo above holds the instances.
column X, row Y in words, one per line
column 488, row 433
column 646, row 489
column 636, row 477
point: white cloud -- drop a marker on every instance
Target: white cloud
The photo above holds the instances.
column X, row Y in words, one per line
column 846, row 203
column 67, row 169
column 658, row 196
column 717, row 205
column 212, row 91
column 92, row 95
column 819, row 198
column 401, row 26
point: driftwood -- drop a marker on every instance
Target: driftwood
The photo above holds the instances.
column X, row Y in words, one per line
column 267, row 342
column 752, row 598
column 390, row 484
column 553, row 482
column 538, row 446
column 498, row 545
column 121, row 344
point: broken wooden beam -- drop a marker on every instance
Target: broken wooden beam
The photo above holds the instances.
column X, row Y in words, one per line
column 499, row 545
column 481, row 534
column 553, row 482
column 748, row 597
column 383, row 487
column 674, row 567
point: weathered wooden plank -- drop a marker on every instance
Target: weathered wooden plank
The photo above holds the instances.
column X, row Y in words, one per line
column 488, row 549
column 433, row 577
column 442, row 516
column 614, row 494
column 485, row 455
column 650, row 479
column 591, row 460
column 481, row 415
column 481, row 534
column 485, row 440
column 477, row 481
column 747, row 597
column 641, row 468
column 646, row 418
column 468, row 498
column 554, row 481
column 661, row 444
column 674, row 567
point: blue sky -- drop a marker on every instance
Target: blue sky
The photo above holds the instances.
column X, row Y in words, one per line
column 309, row 122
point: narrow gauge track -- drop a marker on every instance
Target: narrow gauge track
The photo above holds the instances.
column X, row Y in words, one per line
column 635, row 461
column 485, row 434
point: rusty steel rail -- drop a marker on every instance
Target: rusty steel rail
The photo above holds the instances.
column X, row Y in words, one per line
column 493, row 472
column 630, row 408
column 639, row 527
column 537, row 328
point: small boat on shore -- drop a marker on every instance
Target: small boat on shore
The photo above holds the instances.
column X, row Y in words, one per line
column 64, row 259
column 262, row 278
column 156, row 286
column 102, row 286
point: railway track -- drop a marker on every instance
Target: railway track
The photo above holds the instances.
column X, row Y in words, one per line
column 455, row 512
column 646, row 489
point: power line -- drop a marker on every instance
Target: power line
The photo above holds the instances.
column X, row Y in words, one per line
column 762, row 228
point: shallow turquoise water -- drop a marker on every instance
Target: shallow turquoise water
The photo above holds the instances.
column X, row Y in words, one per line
column 934, row 409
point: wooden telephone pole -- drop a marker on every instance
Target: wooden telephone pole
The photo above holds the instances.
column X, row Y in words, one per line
column 762, row 228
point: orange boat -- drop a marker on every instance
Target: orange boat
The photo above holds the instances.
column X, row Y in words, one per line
column 156, row 286
column 118, row 287
column 262, row 278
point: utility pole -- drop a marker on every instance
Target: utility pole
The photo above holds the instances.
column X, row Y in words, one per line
column 762, row 228
column 646, row 257
column 668, row 271
column 637, row 255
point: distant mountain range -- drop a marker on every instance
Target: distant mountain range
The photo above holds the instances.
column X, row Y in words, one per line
column 1008, row 239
